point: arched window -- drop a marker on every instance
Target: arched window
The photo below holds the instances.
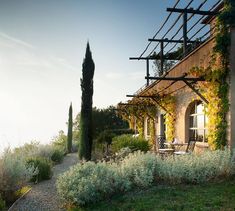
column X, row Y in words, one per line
column 198, row 122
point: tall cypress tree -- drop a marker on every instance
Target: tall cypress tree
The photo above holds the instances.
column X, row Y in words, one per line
column 70, row 129
column 86, row 136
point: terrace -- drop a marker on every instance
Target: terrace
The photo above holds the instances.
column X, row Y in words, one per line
column 178, row 92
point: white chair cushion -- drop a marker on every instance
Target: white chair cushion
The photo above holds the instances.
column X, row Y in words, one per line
column 181, row 153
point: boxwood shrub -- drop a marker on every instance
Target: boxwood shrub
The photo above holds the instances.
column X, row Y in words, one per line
column 134, row 143
column 43, row 167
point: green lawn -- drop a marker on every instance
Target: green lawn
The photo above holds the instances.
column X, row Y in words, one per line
column 213, row 196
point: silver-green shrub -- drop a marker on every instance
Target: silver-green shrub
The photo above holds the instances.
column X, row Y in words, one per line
column 138, row 169
column 35, row 149
column 121, row 154
column 195, row 168
column 88, row 183
column 13, row 172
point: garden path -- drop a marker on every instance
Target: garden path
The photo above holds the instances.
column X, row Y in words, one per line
column 43, row 196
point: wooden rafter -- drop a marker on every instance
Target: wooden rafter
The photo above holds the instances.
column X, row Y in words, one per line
column 153, row 98
column 188, row 81
column 170, row 40
column 181, row 78
column 196, row 91
column 192, row 11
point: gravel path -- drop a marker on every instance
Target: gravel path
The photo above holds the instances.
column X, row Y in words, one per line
column 43, row 195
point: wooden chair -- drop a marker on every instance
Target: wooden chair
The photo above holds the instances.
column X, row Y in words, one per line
column 189, row 148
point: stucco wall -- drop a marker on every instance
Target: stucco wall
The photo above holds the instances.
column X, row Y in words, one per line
column 183, row 99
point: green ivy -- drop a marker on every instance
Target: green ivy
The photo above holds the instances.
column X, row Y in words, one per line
column 216, row 89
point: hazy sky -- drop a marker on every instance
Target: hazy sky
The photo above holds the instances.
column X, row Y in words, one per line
column 42, row 46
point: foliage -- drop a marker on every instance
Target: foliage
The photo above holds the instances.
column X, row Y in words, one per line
column 27, row 148
column 43, row 166
column 138, row 169
column 168, row 102
column 22, row 191
column 134, row 143
column 57, row 156
column 140, row 125
column 70, row 129
column 196, row 168
column 134, row 115
column 106, row 119
column 216, row 89
column 2, row 203
column 121, row 154
column 119, row 132
column 75, row 146
column 138, row 113
column 105, row 138
column 34, row 149
column 86, row 135
column 209, row 196
column 167, row 64
column 76, row 129
column 60, row 141
column 88, row 183
column 44, row 151
column 13, row 173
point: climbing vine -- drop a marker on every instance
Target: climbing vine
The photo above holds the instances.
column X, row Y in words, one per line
column 216, row 87
column 152, row 113
column 136, row 112
column 169, row 103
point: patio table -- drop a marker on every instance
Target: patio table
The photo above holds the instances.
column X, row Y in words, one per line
column 175, row 146
column 167, row 151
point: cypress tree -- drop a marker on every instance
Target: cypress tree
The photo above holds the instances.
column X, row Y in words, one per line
column 86, row 136
column 70, row 129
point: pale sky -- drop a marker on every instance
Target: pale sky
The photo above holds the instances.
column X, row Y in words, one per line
column 42, row 46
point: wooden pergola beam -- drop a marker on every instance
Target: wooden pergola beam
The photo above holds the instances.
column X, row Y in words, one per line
column 141, row 58
column 143, row 96
column 193, row 11
column 157, row 102
column 152, row 98
column 181, row 78
column 133, row 104
column 196, row 91
column 170, row 41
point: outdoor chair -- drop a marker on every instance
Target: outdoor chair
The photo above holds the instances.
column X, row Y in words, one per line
column 162, row 149
column 189, row 149
column 160, row 141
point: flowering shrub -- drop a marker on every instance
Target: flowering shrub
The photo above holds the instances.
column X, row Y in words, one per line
column 88, row 182
column 13, row 173
column 138, row 169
